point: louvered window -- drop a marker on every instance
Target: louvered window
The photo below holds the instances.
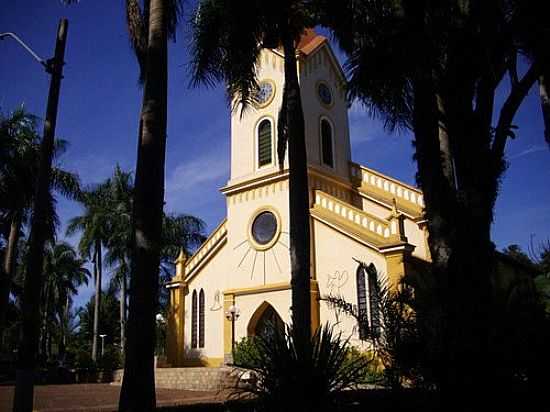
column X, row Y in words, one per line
column 362, row 302
column 264, row 143
column 201, row 319
column 374, row 300
column 194, row 320
column 326, row 143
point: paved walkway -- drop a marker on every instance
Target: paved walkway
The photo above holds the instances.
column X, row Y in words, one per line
column 98, row 397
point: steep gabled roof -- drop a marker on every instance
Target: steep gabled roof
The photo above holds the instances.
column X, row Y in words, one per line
column 310, row 41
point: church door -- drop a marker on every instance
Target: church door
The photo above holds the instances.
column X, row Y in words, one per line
column 268, row 321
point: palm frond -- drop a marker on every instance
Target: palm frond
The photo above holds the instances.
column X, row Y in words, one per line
column 66, row 183
column 226, row 44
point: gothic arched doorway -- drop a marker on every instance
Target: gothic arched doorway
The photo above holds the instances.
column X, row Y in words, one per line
column 264, row 320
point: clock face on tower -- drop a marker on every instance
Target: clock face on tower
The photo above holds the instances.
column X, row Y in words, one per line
column 324, row 93
column 265, row 93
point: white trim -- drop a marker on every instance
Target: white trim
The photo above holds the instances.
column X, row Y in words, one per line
column 332, row 138
column 257, row 146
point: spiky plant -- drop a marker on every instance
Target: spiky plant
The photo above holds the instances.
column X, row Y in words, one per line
column 284, row 380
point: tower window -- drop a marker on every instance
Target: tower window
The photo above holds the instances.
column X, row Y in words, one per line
column 201, row 319
column 265, row 147
column 194, row 320
column 326, row 143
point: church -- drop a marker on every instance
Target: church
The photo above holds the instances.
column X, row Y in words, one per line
column 356, row 215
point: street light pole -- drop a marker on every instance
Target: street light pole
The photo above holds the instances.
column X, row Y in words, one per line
column 232, row 315
column 28, row 346
column 102, row 336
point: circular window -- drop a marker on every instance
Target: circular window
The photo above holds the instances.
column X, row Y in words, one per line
column 264, row 94
column 325, row 95
column 264, row 228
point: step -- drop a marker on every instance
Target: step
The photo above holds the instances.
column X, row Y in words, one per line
column 191, row 378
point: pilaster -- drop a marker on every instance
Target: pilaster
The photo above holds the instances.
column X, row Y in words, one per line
column 175, row 343
column 228, row 301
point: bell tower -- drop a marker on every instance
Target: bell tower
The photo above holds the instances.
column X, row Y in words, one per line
column 322, row 87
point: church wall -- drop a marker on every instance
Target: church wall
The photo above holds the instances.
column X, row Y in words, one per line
column 375, row 209
column 243, row 129
column 336, row 272
column 212, row 279
column 248, row 304
column 247, row 266
column 316, row 68
column 416, row 237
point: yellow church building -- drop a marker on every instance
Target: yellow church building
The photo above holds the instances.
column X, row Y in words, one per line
column 356, row 214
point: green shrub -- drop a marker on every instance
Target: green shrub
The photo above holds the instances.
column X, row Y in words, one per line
column 374, row 372
column 246, row 353
column 111, row 359
column 83, row 360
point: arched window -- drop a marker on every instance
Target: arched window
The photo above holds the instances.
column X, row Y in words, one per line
column 368, row 300
column 326, row 143
column 201, row 319
column 265, row 146
column 194, row 320
column 374, row 299
column 362, row 302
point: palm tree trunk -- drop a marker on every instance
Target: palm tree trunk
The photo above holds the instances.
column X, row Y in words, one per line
column 138, row 387
column 123, row 314
column 97, row 303
column 65, row 326
column 8, row 269
column 298, row 202
column 544, row 91
column 26, row 362
column 45, row 319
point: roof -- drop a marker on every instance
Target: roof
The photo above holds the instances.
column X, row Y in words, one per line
column 310, row 41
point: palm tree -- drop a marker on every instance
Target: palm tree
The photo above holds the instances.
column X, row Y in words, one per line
column 150, row 28
column 64, row 273
column 93, row 225
column 119, row 203
column 178, row 232
column 434, row 68
column 533, row 31
column 21, row 157
column 228, row 37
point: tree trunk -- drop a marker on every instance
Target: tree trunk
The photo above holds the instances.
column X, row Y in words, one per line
column 8, row 270
column 298, row 202
column 46, row 308
column 544, row 90
column 26, row 356
column 138, row 387
column 64, row 327
column 97, row 302
column 123, row 314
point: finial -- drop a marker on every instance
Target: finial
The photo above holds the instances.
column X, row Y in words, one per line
column 182, row 257
column 394, row 207
column 180, row 264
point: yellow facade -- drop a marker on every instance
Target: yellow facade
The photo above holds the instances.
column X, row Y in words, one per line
column 356, row 214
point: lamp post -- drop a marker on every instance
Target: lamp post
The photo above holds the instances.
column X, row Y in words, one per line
column 161, row 335
column 26, row 362
column 232, row 315
column 102, row 345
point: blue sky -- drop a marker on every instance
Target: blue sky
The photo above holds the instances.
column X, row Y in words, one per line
column 100, row 103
